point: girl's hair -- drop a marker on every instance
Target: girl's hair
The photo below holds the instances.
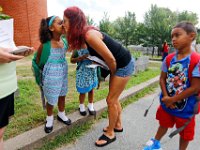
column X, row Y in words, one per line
column 44, row 32
column 77, row 27
column 187, row 27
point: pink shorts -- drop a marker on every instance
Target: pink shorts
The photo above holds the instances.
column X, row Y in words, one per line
column 168, row 121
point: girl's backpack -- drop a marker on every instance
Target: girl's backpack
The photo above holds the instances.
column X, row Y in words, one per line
column 37, row 67
column 42, row 56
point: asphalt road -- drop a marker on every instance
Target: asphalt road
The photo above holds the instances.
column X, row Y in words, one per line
column 137, row 130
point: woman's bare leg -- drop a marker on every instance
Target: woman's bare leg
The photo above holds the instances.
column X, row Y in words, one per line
column 116, row 86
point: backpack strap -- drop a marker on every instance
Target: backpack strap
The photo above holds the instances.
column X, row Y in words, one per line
column 194, row 59
column 64, row 41
column 46, row 47
column 38, row 54
column 169, row 58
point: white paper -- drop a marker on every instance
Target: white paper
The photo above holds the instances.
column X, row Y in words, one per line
column 6, row 34
column 99, row 62
column 93, row 66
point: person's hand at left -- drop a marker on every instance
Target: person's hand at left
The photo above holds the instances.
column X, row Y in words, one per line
column 28, row 52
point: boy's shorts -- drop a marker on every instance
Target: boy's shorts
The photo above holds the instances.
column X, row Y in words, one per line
column 167, row 120
column 6, row 109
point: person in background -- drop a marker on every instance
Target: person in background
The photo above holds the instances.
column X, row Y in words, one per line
column 8, row 85
column 165, row 50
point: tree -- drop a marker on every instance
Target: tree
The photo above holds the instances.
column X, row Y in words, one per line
column 159, row 22
column 188, row 16
column 106, row 26
column 125, row 27
column 140, row 35
column 90, row 21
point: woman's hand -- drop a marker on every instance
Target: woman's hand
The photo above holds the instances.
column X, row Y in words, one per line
column 7, row 57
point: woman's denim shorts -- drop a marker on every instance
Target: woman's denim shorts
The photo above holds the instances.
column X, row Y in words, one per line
column 127, row 70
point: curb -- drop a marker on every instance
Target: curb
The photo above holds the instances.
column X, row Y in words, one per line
column 35, row 138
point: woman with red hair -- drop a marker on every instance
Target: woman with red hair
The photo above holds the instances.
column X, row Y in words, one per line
column 118, row 59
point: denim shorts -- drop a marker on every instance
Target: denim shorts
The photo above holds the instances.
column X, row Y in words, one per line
column 127, row 70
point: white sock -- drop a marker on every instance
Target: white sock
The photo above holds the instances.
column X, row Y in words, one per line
column 91, row 106
column 49, row 120
column 62, row 115
column 82, row 107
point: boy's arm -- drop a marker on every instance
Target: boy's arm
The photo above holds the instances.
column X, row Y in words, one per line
column 163, row 77
column 193, row 89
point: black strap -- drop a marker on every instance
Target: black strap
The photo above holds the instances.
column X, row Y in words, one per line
column 178, row 130
column 147, row 110
column 196, row 110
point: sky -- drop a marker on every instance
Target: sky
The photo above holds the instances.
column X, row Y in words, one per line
column 117, row 8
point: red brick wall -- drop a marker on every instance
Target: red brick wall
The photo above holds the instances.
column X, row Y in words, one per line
column 27, row 15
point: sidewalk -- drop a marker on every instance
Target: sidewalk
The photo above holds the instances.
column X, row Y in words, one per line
column 35, row 138
column 137, row 130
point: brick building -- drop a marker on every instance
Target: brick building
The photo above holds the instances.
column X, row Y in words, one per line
column 27, row 15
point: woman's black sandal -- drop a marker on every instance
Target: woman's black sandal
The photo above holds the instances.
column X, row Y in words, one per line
column 105, row 138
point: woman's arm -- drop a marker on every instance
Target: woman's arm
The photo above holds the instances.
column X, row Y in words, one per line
column 94, row 39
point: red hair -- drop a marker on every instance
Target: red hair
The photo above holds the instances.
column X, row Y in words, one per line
column 77, row 27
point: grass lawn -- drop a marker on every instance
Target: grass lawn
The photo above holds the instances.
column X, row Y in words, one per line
column 28, row 106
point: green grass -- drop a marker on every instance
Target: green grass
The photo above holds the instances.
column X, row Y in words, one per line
column 79, row 130
column 28, row 107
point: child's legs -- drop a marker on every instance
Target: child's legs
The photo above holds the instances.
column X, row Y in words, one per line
column 165, row 120
column 82, row 98
column 91, row 96
column 187, row 134
column 160, row 132
column 183, row 144
column 49, row 109
column 61, row 103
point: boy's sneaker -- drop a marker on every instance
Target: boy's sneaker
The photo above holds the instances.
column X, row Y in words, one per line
column 152, row 144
